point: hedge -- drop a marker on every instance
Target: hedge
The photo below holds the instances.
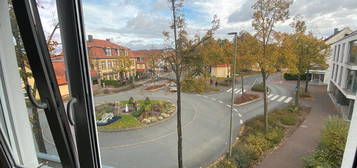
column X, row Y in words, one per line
column 288, row 76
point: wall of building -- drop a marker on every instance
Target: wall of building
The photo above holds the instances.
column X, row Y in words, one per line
column 220, row 71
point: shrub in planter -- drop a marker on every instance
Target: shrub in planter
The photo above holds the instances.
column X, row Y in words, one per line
column 137, row 113
column 147, row 101
column 288, row 119
column 243, row 156
column 258, row 143
column 258, row 87
column 330, row 150
column 131, row 100
column 275, row 135
column 226, row 163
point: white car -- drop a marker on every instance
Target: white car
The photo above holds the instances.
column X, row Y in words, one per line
column 172, row 87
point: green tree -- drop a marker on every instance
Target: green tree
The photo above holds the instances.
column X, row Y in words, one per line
column 266, row 14
column 180, row 59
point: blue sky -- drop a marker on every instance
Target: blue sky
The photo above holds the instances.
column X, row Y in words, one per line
column 138, row 24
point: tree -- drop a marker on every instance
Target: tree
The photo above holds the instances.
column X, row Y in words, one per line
column 181, row 57
column 309, row 52
column 123, row 65
column 245, row 54
column 267, row 13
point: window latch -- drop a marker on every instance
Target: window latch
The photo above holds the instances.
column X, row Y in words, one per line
column 39, row 105
column 70, row 114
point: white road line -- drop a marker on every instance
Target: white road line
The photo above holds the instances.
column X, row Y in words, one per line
column 214, row 99
column 228, row 105
column 235, row 110
column 240, row 90
column 281, row 99
column 220, row 102
column 205, row 97
column 275, row 97
column 229, row 90
column 241, row 121
column 240, row 115
column 254, row 83
column 288, row 100
column 270, row 96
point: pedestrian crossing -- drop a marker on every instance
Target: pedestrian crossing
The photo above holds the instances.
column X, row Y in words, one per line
column 279, row 98
column 236, row 91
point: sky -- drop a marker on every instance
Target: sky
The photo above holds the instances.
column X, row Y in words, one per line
column 139, row 24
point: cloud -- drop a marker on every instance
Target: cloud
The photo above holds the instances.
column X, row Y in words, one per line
column 245, row 13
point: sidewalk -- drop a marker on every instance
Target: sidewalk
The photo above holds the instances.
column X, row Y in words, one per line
column 306, row 137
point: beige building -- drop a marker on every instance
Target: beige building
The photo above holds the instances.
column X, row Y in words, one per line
column 221, row 71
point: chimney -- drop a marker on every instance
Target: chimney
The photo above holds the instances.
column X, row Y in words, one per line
column 108, row 40
column 335, row 31
column 90, row 37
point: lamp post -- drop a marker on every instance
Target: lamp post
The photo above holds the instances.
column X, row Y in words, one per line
column 234, row 61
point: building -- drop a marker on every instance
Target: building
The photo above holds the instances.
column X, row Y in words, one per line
column 221, row 71
column 321, row 76
column 342, row 88
column 111, row 61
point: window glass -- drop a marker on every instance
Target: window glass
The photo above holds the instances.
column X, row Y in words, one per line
column 353, row 51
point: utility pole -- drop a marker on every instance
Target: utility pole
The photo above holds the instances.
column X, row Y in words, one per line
column 234, row 61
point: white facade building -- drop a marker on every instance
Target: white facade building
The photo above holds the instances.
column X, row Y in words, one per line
column 342, row 88
column 322, row 76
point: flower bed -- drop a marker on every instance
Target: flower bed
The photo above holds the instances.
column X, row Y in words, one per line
column 155, row 87
column 246, row 97
column 135, row 114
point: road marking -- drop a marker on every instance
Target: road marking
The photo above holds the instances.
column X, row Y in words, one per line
column 214, row 99
column 281, row 99
column 241, row 121
column 254, row 83
column 240, row 115
column 205, row 97
column 288, row 100
column 235, row 110
column 275, row 97
column 237, row 92
column 228, row 105
column 229, row 90
column 270, row 96
column 220, row 102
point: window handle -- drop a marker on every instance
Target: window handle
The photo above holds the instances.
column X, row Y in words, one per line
column 40, row 105
column 70, row 110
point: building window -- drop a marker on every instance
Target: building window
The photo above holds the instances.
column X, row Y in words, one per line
column 340, row 76
column 108, row 52
column 338, row 53
column 109, row 64
column 118, row 52
column 336, row 73
column 343, row 52
column 103, row 65
column 126, row 52
column 334, row 53
column 333, row 71
column 353, row 51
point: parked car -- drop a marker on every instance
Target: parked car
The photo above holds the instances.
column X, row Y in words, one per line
column 172, row 87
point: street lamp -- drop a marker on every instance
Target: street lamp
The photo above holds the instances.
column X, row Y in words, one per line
column 234, row 60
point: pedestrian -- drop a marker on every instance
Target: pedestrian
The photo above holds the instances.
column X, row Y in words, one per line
column 216, row 84
column 211, row 81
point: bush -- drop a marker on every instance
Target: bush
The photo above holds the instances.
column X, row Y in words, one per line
column 288, row 76
column 288, row 119
column 225, row 163
column 330, row 150
column 147, row 101
column 137, row 113
column 275, row 135
column 258, row 143
column 199, row 85
column 131, row 100
column 244, row 156
column 258, row 87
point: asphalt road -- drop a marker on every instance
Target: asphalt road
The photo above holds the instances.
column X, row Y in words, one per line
column 205, row 128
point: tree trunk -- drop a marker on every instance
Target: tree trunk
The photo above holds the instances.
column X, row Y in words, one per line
column 242, row 78
column 265, row 102
column 36, row 127
column 307, row 83
column 179, row 127
column 297, row 90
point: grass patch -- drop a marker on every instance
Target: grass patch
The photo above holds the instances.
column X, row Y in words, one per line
column 127, row 121
column 258, row 87
column 253, row 143
column 246, row 97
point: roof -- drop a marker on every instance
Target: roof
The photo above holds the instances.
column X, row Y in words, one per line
column 337, row 33
column 354, row 33
column 96, row 49
column 60, row 72
column 144, row 53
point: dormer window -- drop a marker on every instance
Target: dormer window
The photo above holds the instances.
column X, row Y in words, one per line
column 108, row 52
